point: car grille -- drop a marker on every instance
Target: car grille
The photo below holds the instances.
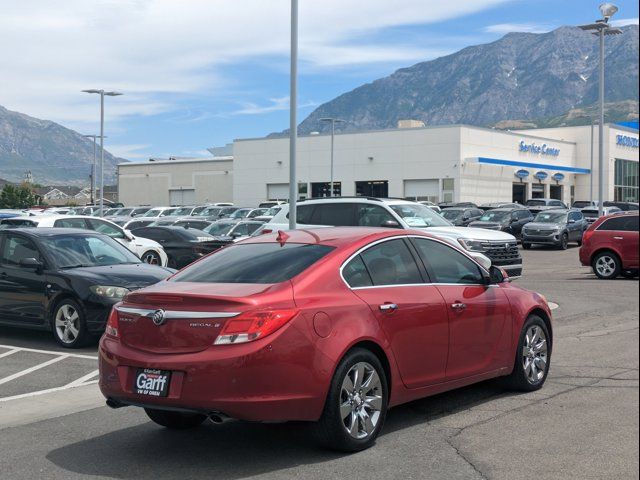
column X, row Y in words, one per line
column 534, row 231
column 503, row 253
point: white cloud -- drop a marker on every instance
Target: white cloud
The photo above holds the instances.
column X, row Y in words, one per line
column 622, row 22
column 276, row 105
column 504, row 28
column 132, row 151
column 159, row 51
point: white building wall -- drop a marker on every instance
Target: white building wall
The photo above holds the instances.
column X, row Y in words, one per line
column 150, row 183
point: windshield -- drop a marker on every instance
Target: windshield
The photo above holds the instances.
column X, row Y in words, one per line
column 243, row 212
column 257, row 212
column 417, row 215
column 551, row 217
column 264, row 263
column 451, row 213
column 495, row 216
column 73, row 251
column 152, row 213
column 219, row 228
column 581, row 204
column 124, row 211
column 535, row 203
column 210, row 212
column 180, row 212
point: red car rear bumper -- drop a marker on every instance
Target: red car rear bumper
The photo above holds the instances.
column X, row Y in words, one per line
column 280, row 378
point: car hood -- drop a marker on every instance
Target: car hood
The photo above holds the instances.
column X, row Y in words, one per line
column 135, row 275
column 470, row 233
column 481, row 224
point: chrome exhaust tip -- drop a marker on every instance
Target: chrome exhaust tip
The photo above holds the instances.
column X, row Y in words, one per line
column 218, row 418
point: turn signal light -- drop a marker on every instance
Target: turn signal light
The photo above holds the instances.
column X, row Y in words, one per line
column 112, row 324
column 250, row 326
column 587, row 236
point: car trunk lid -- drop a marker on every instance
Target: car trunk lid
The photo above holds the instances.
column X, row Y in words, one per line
column 184, row 317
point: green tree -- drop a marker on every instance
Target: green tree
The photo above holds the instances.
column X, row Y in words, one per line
column 13, row 196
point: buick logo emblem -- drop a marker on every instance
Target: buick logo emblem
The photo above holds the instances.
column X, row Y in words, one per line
column 158, row 317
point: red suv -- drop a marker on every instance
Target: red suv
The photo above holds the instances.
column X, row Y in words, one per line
column 332, row 326
column 610, row 246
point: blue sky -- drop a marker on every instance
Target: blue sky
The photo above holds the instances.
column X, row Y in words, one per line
column 199, row 73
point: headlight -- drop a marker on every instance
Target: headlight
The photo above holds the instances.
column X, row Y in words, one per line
column 109, row 292
column 473, row 245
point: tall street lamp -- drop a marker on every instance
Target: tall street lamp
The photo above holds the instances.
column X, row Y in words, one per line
column 102, row 94
column 93, row 167
column 293, row 122
column 601, row 28
column 333, row 122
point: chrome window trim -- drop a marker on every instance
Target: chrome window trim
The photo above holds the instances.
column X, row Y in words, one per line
column 177, row 314
column 396, row 237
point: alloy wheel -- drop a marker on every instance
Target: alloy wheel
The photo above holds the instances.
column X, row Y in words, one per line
column 152, row 258
column 606, row 265
column 361, row 400
column 534, row 354
column 67, row 323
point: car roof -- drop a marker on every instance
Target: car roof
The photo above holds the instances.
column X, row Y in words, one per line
column 52, row 232
column 336, row 236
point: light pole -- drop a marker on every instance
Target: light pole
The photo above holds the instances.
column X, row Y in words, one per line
column 93, row 167
column 293, row 122
column 102, row 94
column 601, row 28
column 333, row 122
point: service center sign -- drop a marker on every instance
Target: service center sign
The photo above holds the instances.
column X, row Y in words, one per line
column 627, row 141
column 543, row 149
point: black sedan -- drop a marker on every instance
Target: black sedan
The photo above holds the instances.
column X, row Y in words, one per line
column 182, row 245
column 66, row 280
column 510, row 220
column 462, row 216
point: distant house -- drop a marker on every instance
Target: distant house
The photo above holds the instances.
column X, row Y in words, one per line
column 62, row 195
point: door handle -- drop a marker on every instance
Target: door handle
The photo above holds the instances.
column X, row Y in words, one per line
column 458, row 306
column 618, row 238
column 388, row 307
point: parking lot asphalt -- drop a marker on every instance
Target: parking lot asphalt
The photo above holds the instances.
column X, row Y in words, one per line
column 582, row 424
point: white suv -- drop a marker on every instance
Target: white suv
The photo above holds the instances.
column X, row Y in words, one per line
column 500, row 247
column 148, row 250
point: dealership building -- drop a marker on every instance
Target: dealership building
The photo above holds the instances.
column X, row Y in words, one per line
column 440, row 163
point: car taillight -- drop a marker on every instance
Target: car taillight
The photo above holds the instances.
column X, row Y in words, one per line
column 112, row 324
column 587, row 236
column 252, row 325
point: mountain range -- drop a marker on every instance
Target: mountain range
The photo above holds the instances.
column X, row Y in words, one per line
column 522, row 76
column 54, row 155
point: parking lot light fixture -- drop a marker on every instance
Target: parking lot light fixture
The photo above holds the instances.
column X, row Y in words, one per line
column 102, row 94
column 601, row 28
column 333, row 122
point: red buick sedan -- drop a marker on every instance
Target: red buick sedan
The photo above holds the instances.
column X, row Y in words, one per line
column 333, row 326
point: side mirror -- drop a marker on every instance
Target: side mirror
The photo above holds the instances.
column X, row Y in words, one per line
column 481, row 259
column 390, row 224
column 498, row 275
column 128, row 235
column 31, row 263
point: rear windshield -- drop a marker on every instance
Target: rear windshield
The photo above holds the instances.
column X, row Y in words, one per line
column 535, row 203
column 254, row 263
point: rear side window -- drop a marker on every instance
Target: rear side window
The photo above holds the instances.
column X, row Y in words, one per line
column 70, row 223
column 15, row 222
column 356, row 274
column 391, row 263
column 372, row 215
column 17, row 248
column 620, row 224
column 333, row 214
column 264, row 263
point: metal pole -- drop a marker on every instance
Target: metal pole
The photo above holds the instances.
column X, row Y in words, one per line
column 601, row 130
column 93, row 172
column 101, row 151
column 591, row 168
column 333, row 131
column 293, row 128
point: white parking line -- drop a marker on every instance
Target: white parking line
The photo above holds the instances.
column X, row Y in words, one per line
column 10, row 352
column 48, row 390
column 82, row 380
column 32, row 369
column 49, row 352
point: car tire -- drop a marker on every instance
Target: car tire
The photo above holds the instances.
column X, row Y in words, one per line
column 606, row 265
column 526, row 246
column 175, row 420
column 69, row 325
column 533, row 357
column 352, row 420
column 151, row 257
column 564, row 242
